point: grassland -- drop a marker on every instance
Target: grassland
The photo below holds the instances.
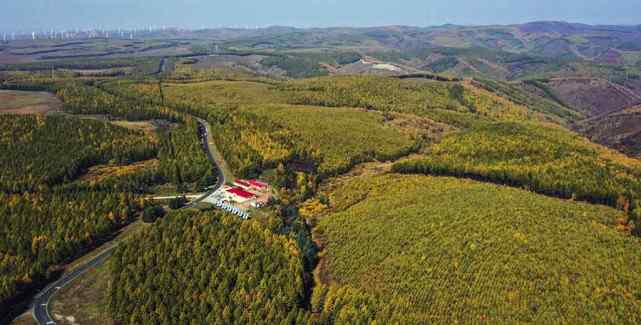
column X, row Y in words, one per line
column 445, row 250
column 545, row 159
column 23, row 102
column 97, row 174
column 85, row 300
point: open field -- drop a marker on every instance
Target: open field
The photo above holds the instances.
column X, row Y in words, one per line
column 419, row 249
column 27, row 102
column 145, row 126
column 96, row 174
column 85, row 300
column 24, row 319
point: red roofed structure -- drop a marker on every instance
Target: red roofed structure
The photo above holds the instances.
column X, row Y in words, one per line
column 242, row 182
column 241, row 193
column 257, row 184
column 252, row 185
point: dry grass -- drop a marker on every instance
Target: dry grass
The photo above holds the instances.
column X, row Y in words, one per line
column 24, row 319
column 99, row 173
column 27, row 102
column 145, row 126
column 85, row 300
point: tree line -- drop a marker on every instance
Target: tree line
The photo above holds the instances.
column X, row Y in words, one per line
column 39, row 151
column 208, row 268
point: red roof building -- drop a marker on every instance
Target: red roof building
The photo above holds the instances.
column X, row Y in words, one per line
column 241, row 193
column 243, row 183
column 257, row 184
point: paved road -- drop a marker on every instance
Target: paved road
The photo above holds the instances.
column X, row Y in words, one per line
column 40, row 311
column 41, row 301
column 163, row 66
column 207, row 140
column 169, row 197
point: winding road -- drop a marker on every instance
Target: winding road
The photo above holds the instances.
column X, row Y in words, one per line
column 42, row 300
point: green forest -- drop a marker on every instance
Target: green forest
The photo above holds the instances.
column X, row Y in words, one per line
column 52, row 214
column 44, row 229
column 207, row 268
column 51, row 150
column 47, row 221
column 396, row 200
column 420, row 249
column 544, row 159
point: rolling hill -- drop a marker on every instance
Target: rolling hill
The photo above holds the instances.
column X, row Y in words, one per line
column 416, row 249
column 621, row 130
column 593, row 97
column 450, row 174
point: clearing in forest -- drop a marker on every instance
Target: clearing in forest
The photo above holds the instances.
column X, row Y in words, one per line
column 27, row 102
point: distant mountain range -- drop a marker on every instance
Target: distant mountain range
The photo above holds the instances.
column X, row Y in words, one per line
column 594, row 70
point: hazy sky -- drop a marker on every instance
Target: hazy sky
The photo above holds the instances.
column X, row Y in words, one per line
column 35, row 14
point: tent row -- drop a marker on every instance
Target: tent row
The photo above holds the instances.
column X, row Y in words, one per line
column 231, row 209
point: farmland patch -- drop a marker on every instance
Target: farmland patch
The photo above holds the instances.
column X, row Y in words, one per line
column 26, row 102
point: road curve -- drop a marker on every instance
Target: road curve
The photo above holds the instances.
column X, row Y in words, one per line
column 41, row 302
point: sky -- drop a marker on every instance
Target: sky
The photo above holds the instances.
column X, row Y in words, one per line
column 26, row 15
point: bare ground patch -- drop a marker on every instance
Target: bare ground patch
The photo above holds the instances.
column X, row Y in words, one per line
column 24, row 319
column 28, row 102
column 145, row 126
column 85, row 300
column 99, row 173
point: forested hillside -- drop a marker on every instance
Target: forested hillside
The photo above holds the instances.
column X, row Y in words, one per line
column 545, row 159
column 393, row 175
column 182, row 159
column 52, row 215
column 417, row 249
column 46, row 223
column 264, row 123
column 257, row 129
column 208, row 268
column 453, row 103
column 42, row 230
column 50, row 150
column 79, row 98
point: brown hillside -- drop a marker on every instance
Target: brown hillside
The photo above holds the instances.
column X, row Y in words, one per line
column 620, row 130
column 594, row 97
